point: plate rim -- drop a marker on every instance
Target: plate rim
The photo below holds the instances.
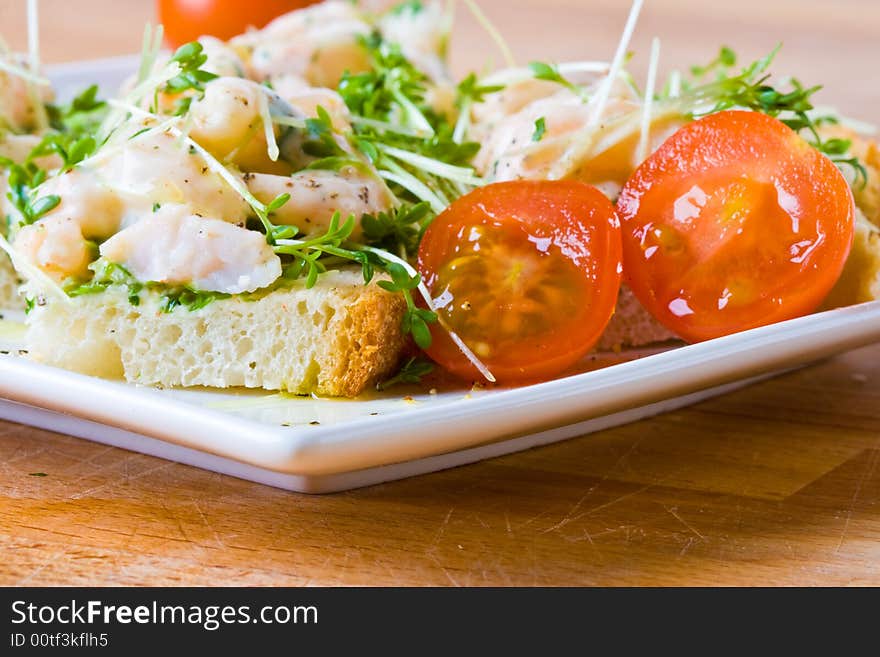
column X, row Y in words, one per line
column 371, row 441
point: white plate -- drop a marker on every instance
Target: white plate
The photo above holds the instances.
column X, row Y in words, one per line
column 315, row 445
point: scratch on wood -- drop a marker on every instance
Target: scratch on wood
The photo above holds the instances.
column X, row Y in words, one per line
column 565, row 520
column 568, row 520
column 687, row 546
column 442, row 529
column 207, row 524
column 445, row 571
column 170, row 513
column 869, row 472
column 532, row 519
column 107, row 484
column 96, row 455
column 36, row 571
column 673, row 512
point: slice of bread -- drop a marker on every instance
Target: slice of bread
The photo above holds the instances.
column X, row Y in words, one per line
column 860, row 280
column 335, row 339
column 866, row 192
column 632, row 325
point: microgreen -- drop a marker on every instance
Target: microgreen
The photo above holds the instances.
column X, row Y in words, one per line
column 307, row 258
column 398, row 230
column 751, row 89
column 726, row 58
column 22, row 179
column 70, row 141
column 321, row 139
column 468, row 93
column 82, row 115
column 410, row 6
column 190, row 58
column 415, row 320
column 307, row 253
column 86, row 101
column 106, row 274
column 189, row 76
column 550, row 73
column 111, row 274
column 470, row 90
column 419, row 154
column 411, row 371
column 71, row 148
column 540, row 129
column 185, row 297
column 392, row 90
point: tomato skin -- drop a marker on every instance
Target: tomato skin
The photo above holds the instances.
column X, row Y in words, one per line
column 187, row 20
column 735, row 222
column 527, row 274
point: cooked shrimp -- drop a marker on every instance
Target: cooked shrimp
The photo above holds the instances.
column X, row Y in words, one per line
column 510, row 100
column 56, row 245
column 123, row 188
column 504, row 154
column 222, row 59
column 94, row 207
column 159, row 169
column 228, row 123
column 226, row 116
column 318, row 43
column 179, row 248
column 306, row 98
column 511, row 148
column 316, row 195
column 17, row 147
column 19, row 100
column 422, row 31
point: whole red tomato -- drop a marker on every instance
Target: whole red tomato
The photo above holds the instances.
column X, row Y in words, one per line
column 186, row 20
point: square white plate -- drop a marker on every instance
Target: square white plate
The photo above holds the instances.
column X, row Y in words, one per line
column 316, row 445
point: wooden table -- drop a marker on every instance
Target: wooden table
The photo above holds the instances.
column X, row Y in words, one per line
column 776, row 484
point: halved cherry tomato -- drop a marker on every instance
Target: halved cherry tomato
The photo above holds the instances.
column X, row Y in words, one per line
column 526, row 273
column 187, row 20
column 734, row 222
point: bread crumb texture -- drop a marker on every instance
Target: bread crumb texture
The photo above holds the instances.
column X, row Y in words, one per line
column 632, row 325
column 335, row 339
column 867, row 192
column 860, row 280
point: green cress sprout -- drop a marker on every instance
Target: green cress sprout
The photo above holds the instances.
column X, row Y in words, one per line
column 751, row 89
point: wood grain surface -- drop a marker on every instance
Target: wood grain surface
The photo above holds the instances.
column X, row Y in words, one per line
column 777, row 484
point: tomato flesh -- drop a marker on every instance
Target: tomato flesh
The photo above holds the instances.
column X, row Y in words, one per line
column 526, row 273
column 187, row 20
column 734, row 222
